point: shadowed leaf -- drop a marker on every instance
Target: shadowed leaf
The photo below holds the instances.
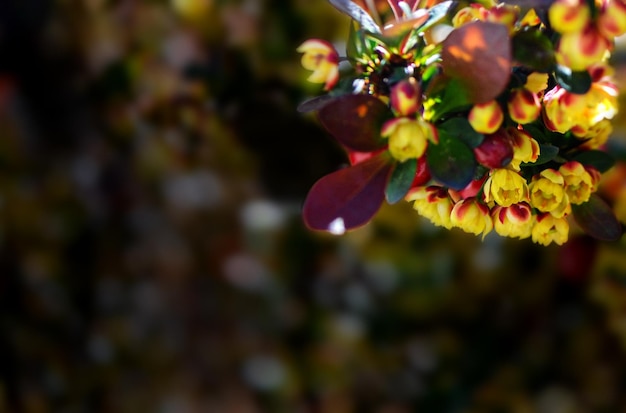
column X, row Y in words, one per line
column 451, row 162
column 533, row 49
column 479, row 55
column 347, row 198
column 357, row 13
column 599, row 160
column 597, row 219
column 355, row 121
column 315, row 103
column 575, row 82
column 400, row 181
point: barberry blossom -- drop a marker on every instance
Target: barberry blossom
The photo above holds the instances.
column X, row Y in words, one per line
column 322, row 58
column 472, row 216
column 547, row 193
column 525, row 148
column 578, row 182
column 486, row 117
column 523, row 105
column 408, row 138
column 515, row 221
column 505, row 187
column 432, row 202
column 569, row 16
column 548, row 229
column 405, row 97
column 612, row 19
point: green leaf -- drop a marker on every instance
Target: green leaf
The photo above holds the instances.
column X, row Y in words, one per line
column 356, row 42
column 460, row 128
column 599, row 160
column 597, row 219
column 547, row 153
column 445, row 96
column 400, row 181
column 451, row 162
column 533, row 49
column 575, row 82
column 479, row 55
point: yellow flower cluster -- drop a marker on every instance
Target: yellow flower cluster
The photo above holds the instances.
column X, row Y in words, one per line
column 510, row 205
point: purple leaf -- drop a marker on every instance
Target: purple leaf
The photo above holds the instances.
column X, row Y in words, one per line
column 597, row 219
column 355, row 121
column 479, row 55
column 347, row 198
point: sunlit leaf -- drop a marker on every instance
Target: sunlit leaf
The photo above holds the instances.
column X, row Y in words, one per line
column 451, row 162
column 479, row 55
column 357, row 13
column 347, row 198
column 355, row 121
column 434, row 16
column 400, row 180
column 597, row 219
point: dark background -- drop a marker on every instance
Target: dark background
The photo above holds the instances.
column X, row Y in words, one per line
column 153, row 259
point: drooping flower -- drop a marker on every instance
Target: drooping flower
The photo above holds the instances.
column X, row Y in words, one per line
column 515, row 221
column 408, row 138
column 432, row 202
column 322, row 58
column 547, row 193
column 472, row 216
column 505, row 187
column 549, row 229
column 569, row 16
column 578, row 182
column 525, row 148
column 486, row 117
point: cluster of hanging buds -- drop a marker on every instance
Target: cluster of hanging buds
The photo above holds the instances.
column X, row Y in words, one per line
column 487, row 117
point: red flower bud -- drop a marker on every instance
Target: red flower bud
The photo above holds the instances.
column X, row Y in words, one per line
column 422, row 174
column 496, row 150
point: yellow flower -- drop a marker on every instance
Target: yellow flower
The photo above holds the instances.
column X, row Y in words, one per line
column 524, row 106
column 612, row 19
column 547, row 193
column 408, row 138
column 504, row 14
column 581, row 49
column 515, row 221
column 469, row 14
column 548, row 229
column 568, row 16
column 579, row 184
column 486, row 117
column 597, row 134
column 472, row 216
column 537, row 82
column 525, row 148
column 432, row 202
column 506, row 187
column 322, row 58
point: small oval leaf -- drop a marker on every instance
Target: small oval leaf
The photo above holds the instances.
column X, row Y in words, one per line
column 347, row 198
column 460, row 128
column 479, row 54
column 355, row 121
column 597, row 219
column 533, row 49
column 400, row 180
column 574, row 82
column 314, row 103
column 451, row 162
column 599, row 160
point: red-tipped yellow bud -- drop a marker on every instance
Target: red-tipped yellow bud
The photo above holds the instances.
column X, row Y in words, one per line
column 504, row 14
column 569, row 16
column 612, row 19
column 524, row 106
column 322, row 58
column 486, row 117
column 406, row 97
column 525, row 148
column 579, row 50
column 515, row 221
column 472, row 216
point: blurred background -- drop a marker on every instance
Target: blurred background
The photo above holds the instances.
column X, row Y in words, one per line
column 153, row 259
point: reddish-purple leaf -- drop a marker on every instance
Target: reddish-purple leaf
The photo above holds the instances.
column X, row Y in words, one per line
column 347, row 198
column 355, row 121
column 479, row 55
column 597, row 219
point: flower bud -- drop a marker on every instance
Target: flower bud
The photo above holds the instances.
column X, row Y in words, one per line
column 472, row 216
column 524, row 106
column 422, row 174
column 569, row 16
column 406, row 97
column 486, row 117
column 495, row 151
column 612, row 20
column 579, row 50
column 515, row 221
column 433, row 203
column 504, row 14
column 525, row 148
column 322, row 58
column 548, row 229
